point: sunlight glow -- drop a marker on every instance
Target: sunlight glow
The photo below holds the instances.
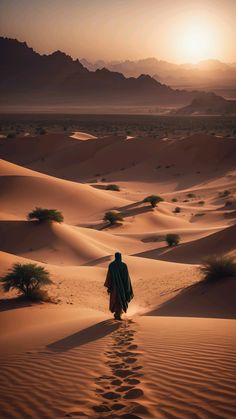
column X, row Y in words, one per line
column 197, row 43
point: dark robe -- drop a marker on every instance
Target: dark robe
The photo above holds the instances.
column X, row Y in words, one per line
column 119, row 286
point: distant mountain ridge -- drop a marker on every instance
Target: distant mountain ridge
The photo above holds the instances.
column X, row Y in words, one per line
column 206, row 72
column 208, row 104
column 28, row 77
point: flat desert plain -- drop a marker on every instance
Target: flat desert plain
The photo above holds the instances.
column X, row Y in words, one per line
column 174, row 354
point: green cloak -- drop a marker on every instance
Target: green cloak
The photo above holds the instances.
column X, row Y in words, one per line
column 119, row 284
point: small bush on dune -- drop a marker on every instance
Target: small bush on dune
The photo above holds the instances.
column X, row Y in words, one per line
column 113, row 187
column 11, row 135
column 200, row 214
column 172, row 239
column 27, row 279
column 177, row 210
column 215, row 268
column 40, row 131
column 113, row 217
column 44, row 214
column 229, row 203
column 153, row 200
column 224, row 193
column 174, row 200
column 191, row 195
column 201, row 202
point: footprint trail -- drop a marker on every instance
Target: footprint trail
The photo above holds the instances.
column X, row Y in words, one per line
column 119, row 393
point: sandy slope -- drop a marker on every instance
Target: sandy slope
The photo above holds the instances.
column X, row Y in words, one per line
column 61, row 244
column 23, row 189
column 70, row 359
column 82, row 136
column 221, row 242
column 93, row 367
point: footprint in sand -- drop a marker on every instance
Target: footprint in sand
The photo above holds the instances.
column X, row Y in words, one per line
column 122, row 359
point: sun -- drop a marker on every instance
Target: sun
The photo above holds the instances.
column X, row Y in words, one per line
column 197, row 43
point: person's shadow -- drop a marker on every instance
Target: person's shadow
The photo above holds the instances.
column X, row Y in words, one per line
column 92, row 333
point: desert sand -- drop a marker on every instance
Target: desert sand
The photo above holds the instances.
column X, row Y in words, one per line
column 174, row 354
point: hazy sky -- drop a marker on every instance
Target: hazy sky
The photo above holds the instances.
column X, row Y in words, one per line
column 172, row 30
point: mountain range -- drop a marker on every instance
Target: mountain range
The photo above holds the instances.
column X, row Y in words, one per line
column 26, row 77
column 29, row 78
column 207, row 73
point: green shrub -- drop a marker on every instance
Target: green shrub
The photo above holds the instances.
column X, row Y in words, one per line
column 172, row 239
column 113, row 187
column 218, row 267
column 177, row 210
column 201, row 202
column 40, row 131
column 44, row 214
column 191, row 195
column 229, row 203
column 11, row 135
column 174, row 200
column 153, row 200
column 113, row 217
column 27, row 279
column 225, row 193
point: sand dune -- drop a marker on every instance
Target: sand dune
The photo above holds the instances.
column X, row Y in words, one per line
column 138, row 372
column 202, row 300
column 23, row 189
column 193, row 252
column 70, row 359
column 154, row 281
column 61, row 244
column 82, row 136
column 189, row 366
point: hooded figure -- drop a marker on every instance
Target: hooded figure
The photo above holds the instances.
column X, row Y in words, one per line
column 119, row 286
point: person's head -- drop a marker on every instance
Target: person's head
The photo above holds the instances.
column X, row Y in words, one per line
column 118, row 257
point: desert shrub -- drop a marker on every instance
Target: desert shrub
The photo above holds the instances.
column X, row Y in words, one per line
column 40, row 131
column 27, row 279
column 11, row 135
column 228, row 203
column 218, row 267
column 200, row 214
column 44, row 214
column 177, row 210
column 153, row 200
column 174, row 200
column 191, row 195
column 113, row 187
column 113, row 217
column 186, row 200
column 172, row 239
column 201, row 202
column 224, row 193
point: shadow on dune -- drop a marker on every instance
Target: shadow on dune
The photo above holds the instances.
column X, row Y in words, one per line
column 98, row 261
column 127, row 211
column 105, row 225
column 195, row 251
column 203, row 299
column 90, row 334
column 14, row 303
column 136, row 211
